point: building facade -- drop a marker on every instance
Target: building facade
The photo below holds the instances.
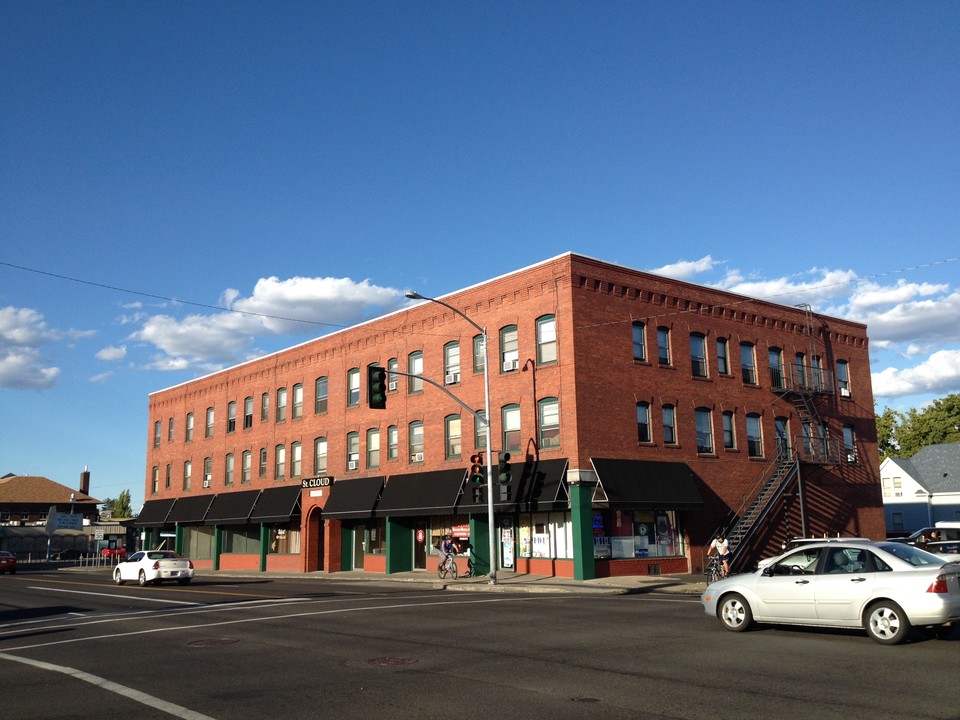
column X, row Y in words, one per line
column 641, row 414
column 922, row 490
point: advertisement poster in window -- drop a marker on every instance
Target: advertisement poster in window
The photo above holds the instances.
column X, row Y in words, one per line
column 665, row 537
column 506, row 540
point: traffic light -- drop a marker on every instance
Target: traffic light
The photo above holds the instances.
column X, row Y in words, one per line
column 377, row 387
column 503, row 468
column 476, row 469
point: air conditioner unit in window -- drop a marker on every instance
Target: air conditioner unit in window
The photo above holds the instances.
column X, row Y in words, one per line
column 452, row 378
column 392, row 386
column 206, row 482
column 844, row 392
column 509, row 365
column 416, row 457
column 352, row 465
column 851, row 457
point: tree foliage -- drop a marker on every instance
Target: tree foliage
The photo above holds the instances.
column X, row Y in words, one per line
column 119, row 507
column 905, row 434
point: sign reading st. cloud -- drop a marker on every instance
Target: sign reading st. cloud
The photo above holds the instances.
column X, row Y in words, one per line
column 316, row 482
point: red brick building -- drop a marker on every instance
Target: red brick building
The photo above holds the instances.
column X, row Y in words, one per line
column 641, row 415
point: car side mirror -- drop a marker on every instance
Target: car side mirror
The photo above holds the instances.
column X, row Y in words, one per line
column 767, row 571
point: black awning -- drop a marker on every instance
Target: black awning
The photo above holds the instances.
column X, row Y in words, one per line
column 232, row 507
column 354, row 498
column 646, row 485
column 190, row 509
column 154, row 513
column 536, row 486
column 428, row 493
column 277, row 504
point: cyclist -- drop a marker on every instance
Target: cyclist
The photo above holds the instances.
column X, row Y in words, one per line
column 722, row 548
column 448, row 548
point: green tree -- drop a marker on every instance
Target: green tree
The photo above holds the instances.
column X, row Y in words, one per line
column 887, row 423
column 937, row 423
column 119, row 507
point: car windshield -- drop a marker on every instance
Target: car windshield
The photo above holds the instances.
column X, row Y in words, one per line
column 162, row 555
column 911, row 554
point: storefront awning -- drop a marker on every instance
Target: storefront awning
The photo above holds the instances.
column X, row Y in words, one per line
column 428, row 493
column 154, row 513
column 232, row 507
column 277, row 504
column 646, row 485
column 190, row 509
column 354, row 498
column 536, row 487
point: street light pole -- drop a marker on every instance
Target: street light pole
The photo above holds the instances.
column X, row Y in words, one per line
column 491, row 528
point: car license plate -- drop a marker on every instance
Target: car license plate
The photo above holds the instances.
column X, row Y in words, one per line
column 174, row 573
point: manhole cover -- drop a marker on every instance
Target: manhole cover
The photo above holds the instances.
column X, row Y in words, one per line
column 585, row 699
column 392, row 661
column 212, row 642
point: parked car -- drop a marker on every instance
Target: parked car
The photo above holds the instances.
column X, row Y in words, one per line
column 801, row 541
column 884, row 587
column 68, row 555
column 153, row 566
column 8, row 562
column 114, row 552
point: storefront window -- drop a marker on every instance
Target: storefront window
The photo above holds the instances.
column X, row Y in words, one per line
column 197, row 542
column 376, row 537
column 284, row 539
column 545, row 535
column 243, row 539
column 619, row 534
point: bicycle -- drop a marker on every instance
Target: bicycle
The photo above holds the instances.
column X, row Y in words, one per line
column 447, row 566
column 714, row 569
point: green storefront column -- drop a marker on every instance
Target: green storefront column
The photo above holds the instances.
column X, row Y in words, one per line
column 178, row 540
column 399, row 545
column 217, row 546
column 479, row 545
column 264, row 541
column 581, row 511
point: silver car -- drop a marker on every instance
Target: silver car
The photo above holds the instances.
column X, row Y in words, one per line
column 884, row 587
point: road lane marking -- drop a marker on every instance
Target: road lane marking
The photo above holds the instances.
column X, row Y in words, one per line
column 104, row 684
column 122, row 597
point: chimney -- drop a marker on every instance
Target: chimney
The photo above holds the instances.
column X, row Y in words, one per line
column 85, row 481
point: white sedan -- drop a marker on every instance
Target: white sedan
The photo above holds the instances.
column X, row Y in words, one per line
column 885, row 588
column 154, row 566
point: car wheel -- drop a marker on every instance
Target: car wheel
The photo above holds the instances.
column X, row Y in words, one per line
column 887, row 623
column 143, row 578
column 117, row 577
column 734, row 613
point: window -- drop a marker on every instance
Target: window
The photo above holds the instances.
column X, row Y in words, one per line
column 415, row 441
column 188, row 432
column 723, row 359
column 479, row 354
column 170, row 430
column 480, row 430
column 157, row 430
column 415, row 367
column 263, row 462
column 639, row 341
column 800, row 371
column 247, row 413
column 643, row 422
column 782, row 428
column 167, row 477
column 777, row 380
column 296, row 459
column 280, row 462
column 209, row 430
column 698, row 355
column 509, row 349
column 282, row 405
column 393, row 365
column 754, row 436
column 320, row 392
column 669, row 425
column 353, row 451
column 816, row 369
column 353, row 387
column 393, row 443
column 320, row 456
column 228, row 469
column 897, row 520
column 729, row 431
column 451, row 363
column 187, row 472
column 155, row 480
column 452, row 437
column 511, row 428
column 549, row 416
column 231, row 416
column 849, row 444
column 663, row 345
column 297, row 401
column 748, row 364
column 264, row 407
column 246, row 467
column 373, row 448
column 546, row 340
column 843, row 378
column 704, row 421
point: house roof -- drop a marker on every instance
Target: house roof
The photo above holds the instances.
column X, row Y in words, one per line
column 35, row 490
column 936, row 468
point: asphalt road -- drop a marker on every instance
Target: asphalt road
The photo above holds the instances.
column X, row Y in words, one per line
column 74, row 645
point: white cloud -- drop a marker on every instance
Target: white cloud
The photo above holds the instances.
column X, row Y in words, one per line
column 823, row 284
column 938, row 374
column 111, row 353
column 22, row 332
column 920, row 322
column 102, row 377
column 685, row 269
column 273, row 310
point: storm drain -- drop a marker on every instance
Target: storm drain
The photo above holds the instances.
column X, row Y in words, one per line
column 211, row 642
column 392, row 661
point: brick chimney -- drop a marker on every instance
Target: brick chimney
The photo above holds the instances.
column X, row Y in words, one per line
column 85, row 481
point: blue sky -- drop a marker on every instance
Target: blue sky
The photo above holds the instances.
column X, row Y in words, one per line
column 314, row 160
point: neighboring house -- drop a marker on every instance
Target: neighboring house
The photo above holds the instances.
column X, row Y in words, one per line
column 922, row 490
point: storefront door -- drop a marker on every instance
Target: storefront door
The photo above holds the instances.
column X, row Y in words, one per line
column 420, row 538
column 359, row 545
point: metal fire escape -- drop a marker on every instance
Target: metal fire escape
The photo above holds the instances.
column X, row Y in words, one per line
column 800, row 384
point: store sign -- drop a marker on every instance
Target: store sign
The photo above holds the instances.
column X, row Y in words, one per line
column 316, row 482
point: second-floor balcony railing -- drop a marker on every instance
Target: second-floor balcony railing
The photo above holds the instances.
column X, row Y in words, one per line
column 801, row 378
